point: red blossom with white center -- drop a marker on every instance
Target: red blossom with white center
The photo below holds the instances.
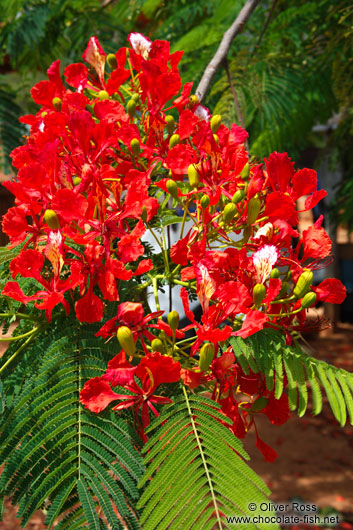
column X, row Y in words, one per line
column 264, row 260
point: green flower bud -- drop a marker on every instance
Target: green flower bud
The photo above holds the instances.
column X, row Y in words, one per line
column 144, row 214
column 215, row 122
column 126, row 340
column 308, row 300
column 275, row 273
column 173, row 320
column 229, row 212
column 259, row 293
column 238, row 196
column 111, row 61
column 193, row 176
column 103, row 94
column 135, row 146
column 172, row 188
column 205, row 201
column 135, row 97
column 51, row 219
column 254, row 207
column 76, row 181
column 193, row 100
column 216, row 139
column 303, row 284
column 259, row 404
column 206, row 356
column 174, row 140
column 170, row 123
column 157, row 345
column 131, row 108
column 245, row 171
column 57, row 103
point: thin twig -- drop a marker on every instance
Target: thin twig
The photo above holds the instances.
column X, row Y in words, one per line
column 264, row 28
column 224, row 47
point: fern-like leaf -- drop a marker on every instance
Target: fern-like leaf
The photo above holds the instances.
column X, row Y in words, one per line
column 268, row 353
column 198, row 469
column 58, row 455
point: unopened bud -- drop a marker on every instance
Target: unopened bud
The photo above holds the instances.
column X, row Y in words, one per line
column 193, row 176
column 172, row 188
column 259, row 293
column 308, row 300
column 76, row 181
column 131, row 108
column 144, row 214
column 111, row 61
column 174, row 140
column 206, row 356
column 229, row 212
column 245, row 171
column 103, row 94
column 126, row 340
column 173, row 320
column 57, row 103
column 205, row 201
column 259, row 404
column 254, row 206
column 170, row 123
column 51, row 219
column 303, row 284
column 215, row 122
column 238, row 196
column 135, row 97
column 275, row 273
column 157, row 345
column 216, row 139
column 193, row 100
column 135, row 146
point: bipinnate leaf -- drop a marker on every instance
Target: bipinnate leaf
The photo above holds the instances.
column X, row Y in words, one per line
column 198, row 470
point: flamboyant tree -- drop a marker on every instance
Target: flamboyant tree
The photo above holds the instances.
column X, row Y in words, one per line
column 114, row 417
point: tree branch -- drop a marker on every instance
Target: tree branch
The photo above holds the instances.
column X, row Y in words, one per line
column 224, row 46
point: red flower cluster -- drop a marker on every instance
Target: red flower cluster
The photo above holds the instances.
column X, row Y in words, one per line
column 104, row 157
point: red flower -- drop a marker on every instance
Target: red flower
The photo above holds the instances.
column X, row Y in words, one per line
column 179, row 159
column 153, row 370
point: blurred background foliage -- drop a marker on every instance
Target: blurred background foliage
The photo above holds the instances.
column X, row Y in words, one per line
column 291, row 68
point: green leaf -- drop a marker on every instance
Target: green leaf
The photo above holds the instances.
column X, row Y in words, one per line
column 268, row 352
column 198, row 471
column 57, row 453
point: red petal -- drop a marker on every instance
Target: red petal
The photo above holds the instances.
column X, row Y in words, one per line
column 269, row 453
column 89, row 308
column 97, row 394
column 331, row 290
